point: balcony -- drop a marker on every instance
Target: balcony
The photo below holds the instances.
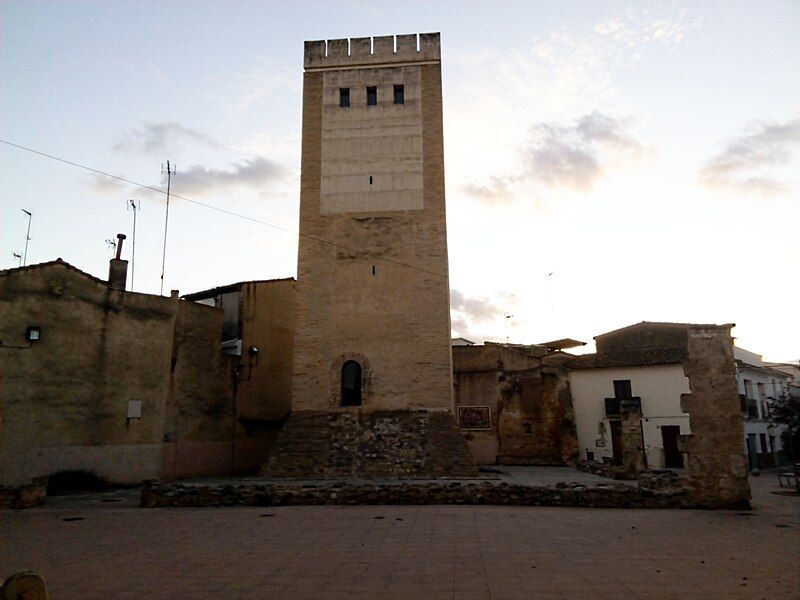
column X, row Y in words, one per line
column 613, row 405
column 749, row 406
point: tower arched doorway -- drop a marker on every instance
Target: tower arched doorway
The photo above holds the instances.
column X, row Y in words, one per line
column 351, row 383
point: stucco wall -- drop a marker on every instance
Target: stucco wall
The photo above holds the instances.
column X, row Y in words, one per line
column 660, row 388
column 265, row 384
column 64, row 400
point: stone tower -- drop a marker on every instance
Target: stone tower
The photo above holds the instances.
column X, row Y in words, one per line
column 372, row 329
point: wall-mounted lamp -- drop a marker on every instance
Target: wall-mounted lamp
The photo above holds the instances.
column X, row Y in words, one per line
column 33, row 334
column 252, row 350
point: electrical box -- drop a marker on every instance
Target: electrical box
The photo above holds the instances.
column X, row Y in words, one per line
column 134, row 409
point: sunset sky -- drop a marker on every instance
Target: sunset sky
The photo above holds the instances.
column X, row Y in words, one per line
column 606, row 162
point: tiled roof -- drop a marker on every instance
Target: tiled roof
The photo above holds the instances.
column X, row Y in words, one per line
column 630, row 358
column 52, row 263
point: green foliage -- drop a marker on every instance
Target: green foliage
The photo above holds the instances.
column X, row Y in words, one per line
column 785, row 410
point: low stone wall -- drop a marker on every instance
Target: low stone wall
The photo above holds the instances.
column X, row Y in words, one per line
column 604, row 470
column 661, row 479
column 156, row 494
column 24, row 496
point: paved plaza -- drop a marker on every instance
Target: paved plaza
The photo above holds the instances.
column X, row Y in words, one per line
column 104, row 546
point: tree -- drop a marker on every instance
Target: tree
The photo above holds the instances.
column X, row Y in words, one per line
column 785, row 410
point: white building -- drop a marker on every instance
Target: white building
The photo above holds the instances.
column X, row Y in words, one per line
column 644, row 361
column 599, row 381
column 758, row 386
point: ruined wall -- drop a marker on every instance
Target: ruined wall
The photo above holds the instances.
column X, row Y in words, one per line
column 533, row 419
column 634, row 460
column 716, row 466
column 535, row 422
column 64, row 400
column 373, row 184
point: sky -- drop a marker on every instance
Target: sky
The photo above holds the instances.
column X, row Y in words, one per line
column 606, row 162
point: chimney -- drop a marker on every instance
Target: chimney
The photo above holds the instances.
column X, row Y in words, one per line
column 118, row 268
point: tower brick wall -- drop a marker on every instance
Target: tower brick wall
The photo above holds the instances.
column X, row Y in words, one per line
column 372, row 264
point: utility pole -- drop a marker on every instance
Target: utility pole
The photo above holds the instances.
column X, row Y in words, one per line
column 27, row 237
column 135, row 206
column 170, row 171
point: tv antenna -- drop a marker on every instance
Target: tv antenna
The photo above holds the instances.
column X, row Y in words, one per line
column 18, row 257
column 508, row 322
column 27, row 237
column 135, row 206
column 111, row 244
column 169, row 169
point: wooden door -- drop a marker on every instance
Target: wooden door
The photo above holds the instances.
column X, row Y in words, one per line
column 673, row 457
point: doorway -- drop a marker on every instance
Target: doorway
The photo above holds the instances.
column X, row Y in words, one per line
column 673, row 457
column 351, row 383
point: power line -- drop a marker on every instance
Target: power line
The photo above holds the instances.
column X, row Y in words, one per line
column 224, row 211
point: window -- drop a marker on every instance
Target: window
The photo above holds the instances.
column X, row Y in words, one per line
column 399, row 94
column 622, row 388
column 344, row 97
column 372, row 96
column 764, row 448
column 351, row 383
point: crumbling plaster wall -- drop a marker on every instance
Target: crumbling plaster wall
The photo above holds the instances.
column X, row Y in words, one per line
column 660, row 388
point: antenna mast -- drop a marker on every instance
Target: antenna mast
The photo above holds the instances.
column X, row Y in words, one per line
column 170, row 171
column 27, row 237
column 135, row 206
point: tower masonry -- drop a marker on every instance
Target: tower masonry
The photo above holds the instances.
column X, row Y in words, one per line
column 372, row 331
column 373, row 307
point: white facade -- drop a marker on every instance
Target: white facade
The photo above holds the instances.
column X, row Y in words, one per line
column 659, row 387
column 758, row 385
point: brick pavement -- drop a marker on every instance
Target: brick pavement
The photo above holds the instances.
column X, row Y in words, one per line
column 427, row 552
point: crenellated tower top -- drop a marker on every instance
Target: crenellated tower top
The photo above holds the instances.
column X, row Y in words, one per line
column 375, row 51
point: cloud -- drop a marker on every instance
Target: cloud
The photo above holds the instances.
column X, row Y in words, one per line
column 497, row 190
column 474, row 308
column 106, row 185
column 575, row 156
column 255, row 172
column 160, row 137
column 742, row 163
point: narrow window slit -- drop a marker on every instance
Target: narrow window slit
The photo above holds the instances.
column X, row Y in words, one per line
column 373, row 269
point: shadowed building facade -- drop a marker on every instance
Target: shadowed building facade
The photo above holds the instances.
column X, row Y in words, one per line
column 372, row 357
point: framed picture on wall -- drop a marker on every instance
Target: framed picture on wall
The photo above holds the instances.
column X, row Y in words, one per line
column 475, row 417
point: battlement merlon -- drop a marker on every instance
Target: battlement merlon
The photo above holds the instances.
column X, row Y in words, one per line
column 375, row 51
